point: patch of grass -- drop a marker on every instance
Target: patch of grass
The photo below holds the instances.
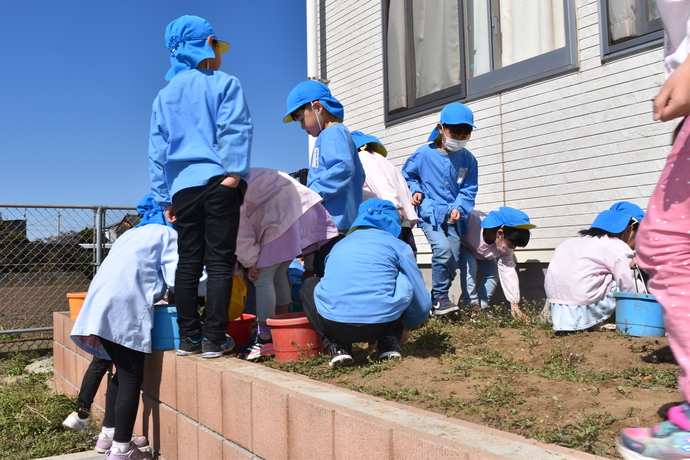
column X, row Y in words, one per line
column 31, row 416
column 435, row 335
column 585, row 436
column 385, row 392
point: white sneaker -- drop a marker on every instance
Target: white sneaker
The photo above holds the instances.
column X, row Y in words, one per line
column 74, row 423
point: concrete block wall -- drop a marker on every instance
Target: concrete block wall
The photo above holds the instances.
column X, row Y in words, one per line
column 231, row 409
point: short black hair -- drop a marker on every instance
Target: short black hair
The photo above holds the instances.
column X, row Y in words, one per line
column 599, row 232
column 462, row 129
column 306, row 106
column 518, row 236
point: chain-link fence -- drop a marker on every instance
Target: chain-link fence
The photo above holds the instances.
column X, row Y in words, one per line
column 46, row 252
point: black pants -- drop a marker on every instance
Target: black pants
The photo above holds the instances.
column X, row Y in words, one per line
column 122, row 397
column 90, row 383
column 343, row 333
column 322, row 252
column 208, row 217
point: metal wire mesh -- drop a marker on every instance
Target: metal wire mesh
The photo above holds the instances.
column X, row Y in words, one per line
column 49, row 251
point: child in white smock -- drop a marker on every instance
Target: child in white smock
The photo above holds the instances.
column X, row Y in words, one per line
column 586, row 271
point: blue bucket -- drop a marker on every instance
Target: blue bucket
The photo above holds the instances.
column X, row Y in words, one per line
column 639, row 315
column 165, row 334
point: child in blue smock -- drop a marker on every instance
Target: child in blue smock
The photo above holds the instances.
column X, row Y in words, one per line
column 335, row 171
column 372, row 291
column 116, row 319
column 200, row 141
column 442, row 176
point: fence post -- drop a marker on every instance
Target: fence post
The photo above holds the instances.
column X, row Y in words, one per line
column 99, row 237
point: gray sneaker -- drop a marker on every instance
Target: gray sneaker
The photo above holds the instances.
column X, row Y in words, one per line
column 188, row 347
column 211, row 349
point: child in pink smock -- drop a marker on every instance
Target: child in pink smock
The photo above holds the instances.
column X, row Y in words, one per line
column 280, row 219
column 382, row 180
column 664, row 242
column 586, row 271
column 487, row 256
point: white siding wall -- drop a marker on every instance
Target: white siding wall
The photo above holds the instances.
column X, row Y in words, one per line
column 561, row 150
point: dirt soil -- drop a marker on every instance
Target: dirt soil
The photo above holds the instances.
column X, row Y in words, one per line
column 577, row 390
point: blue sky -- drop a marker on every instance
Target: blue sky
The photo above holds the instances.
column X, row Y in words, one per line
column 79, row 78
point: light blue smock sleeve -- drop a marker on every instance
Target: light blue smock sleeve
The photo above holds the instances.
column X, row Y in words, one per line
column 410, row 172
column 336, row 163
column 235, row 130
column 158, row 146
column 419, row 307
column 464, row 201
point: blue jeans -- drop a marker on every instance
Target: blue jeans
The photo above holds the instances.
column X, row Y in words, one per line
column 445, row 247
column 478, row 279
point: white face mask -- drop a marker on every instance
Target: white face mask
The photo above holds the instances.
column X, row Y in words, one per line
column 317, row 116
column 506, row 250
column 453, row 145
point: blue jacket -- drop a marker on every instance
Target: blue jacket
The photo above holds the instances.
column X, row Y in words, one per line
column 336, row 174
column 200, row 128
column 372, row 277
column 447, row 181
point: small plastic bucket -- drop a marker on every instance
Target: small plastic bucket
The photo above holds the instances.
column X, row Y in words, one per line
column 639, row 315
column 165, row 334
column 294, row 338
column 240, row 329
column 76, row 300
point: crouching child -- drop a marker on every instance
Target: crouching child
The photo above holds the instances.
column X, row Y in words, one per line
column 372, row 289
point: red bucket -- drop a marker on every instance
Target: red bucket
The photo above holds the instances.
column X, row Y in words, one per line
column 241, row 329
column 294, row 338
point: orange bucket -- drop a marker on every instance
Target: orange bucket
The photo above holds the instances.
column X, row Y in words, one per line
column 294, row 338
column 76, row 300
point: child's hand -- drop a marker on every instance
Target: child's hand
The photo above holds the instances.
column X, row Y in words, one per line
column 516, row 313
column 170, row 214
column 454, row 216
column 417, row 199
column 633, row 263
column 232, row 181
column 673, row 100
column 253, row 274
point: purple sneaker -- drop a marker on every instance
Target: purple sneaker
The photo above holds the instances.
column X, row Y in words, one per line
column 132, row 454
column 669, row 440
column 103, row 442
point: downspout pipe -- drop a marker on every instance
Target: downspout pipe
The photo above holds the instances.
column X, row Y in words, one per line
column 312, row 55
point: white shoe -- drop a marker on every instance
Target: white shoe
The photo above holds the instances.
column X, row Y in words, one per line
column 74, row 423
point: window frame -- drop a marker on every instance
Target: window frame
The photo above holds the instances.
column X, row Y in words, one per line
column 650, row 39
column 529, row 71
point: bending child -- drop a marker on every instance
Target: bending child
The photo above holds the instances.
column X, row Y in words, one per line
column 116, row 319
column 586, row 271
column 335, row 171
column 200, row 141
column 385, row 182
column 487, row 256
column 280, row 219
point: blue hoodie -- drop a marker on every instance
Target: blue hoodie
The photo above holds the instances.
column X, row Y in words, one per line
column 372, row 276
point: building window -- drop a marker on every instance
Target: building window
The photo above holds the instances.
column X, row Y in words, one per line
column 441, row 51
column 628, row 26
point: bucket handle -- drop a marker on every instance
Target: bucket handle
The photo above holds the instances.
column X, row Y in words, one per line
column 638, row 272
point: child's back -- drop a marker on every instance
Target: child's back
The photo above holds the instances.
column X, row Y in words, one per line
column 199, row 150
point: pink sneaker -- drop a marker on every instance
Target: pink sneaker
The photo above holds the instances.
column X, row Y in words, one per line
column 132, row 454
column 103, row 442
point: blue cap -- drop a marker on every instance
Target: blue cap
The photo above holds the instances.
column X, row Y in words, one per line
column 507, row 217
column 186, row 38
column 630, row 209
column 360, row 139
column 454, row 114
column 310, row 91
column 150, row 212
column 611, row 221
column 378, row 213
